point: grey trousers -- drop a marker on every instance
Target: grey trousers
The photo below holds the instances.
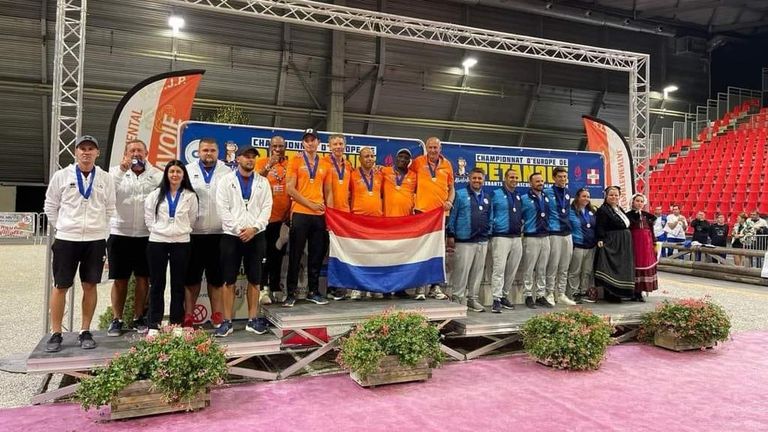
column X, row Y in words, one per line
column 507, row 253
column 535, row 257
column 580, row 270
column 560, row 250
column 468, row 264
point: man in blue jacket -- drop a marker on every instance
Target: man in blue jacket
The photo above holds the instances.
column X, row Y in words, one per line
column 469, row 227
column 560, row 239
column 535, row 242
column 506, row 243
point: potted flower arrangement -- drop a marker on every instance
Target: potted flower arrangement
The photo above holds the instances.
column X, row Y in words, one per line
column 686, row 324
column 574, row 339
column 392, row 347
column 169, row 371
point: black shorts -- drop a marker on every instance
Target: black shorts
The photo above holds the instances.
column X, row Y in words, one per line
column 67, row 255
column 205, row 257
column 127, row 255
column 251, row 254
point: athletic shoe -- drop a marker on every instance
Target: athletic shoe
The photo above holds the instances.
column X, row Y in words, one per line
column 563, row 299
column 355, row 295
column 256, row 326
column 474, row 305
column 140, row 325
column 216, row 319
column 577, row 298
column 551, row 299
column 587, row 299
column 189, row 319
column 85, row 339
column 377, row 295
column 290, row 301
column 115, row 328
column 224, row 330
column 54, row 343
column 530, row 303
column 506, row 304
column 265, row 297
column 335, row 295
column 317, row 299
column 420, row 294
column 541, row 301
column 436, row 293
column 496, row 308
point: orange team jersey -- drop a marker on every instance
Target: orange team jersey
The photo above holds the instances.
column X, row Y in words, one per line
column 340, row 188
column 281, row 202
column 432, row 192
column 398, row 200
column 311, row 190
column 364, row 202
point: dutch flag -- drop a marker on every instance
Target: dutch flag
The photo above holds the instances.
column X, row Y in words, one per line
column 385, row 254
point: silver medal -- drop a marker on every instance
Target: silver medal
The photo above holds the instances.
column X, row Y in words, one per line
column 589, row 225
column 481, row 208
column 543, row 214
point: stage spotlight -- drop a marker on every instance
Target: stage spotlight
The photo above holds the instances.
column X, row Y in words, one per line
column 176, row 22
column 468, row 63
column 548, row 5
column 669, row 89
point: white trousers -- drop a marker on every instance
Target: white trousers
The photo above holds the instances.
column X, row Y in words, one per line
column 535, row 257
column 468, row 264
column 507, row 253
column 560, row 250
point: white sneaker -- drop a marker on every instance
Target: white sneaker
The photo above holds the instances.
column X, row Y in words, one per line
column 377, row 295
column 264, row 297
column 551, row 299
column 563, row 299
column 420, row 294
column 355, row 295
column 437, row 293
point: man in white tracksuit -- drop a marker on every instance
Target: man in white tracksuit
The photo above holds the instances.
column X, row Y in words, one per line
column 79, row 202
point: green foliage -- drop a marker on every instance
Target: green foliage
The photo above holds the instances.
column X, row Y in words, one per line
column 695, row 321
column 573, row 339
column 179, row 362
column 230, row 114
column 106, row 318
column 407, row 335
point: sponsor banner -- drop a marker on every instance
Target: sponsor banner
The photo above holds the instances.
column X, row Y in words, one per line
column 152, row 112
column 604, row 138
column 585, row 169
column 232, row 137
column 17, row 225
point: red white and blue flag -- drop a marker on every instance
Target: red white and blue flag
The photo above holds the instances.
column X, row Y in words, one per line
column 385, row 254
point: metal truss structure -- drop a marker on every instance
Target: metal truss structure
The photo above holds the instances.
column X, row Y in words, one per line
column 70, row 49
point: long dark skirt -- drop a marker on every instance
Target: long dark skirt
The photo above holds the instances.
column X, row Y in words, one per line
column 615, row 264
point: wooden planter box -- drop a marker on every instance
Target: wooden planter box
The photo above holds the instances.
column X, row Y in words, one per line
column 138, row 400
column 392, row 372
column 666, row 340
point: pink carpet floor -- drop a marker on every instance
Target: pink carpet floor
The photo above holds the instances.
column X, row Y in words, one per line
column 638, row 388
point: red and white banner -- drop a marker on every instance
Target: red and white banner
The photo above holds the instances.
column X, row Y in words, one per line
column 151, row 112
column 602, row 137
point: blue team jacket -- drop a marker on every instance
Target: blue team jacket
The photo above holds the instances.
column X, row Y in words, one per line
column 583, row 227
column 559, row 205
column 535, row 215
column 470, row 217
column 507, row 210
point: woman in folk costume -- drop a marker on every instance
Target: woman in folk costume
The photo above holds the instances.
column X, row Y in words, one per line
column 614, row 260
column 641, row 229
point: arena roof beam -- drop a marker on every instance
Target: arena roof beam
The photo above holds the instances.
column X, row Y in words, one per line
column 283, row 77
column 381, row 47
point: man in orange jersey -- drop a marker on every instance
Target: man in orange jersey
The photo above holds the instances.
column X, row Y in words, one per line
column 399, row 186
column 365, row 187
column 274, row 167
column 434, row 178
column 340, row 174
column 309, row 184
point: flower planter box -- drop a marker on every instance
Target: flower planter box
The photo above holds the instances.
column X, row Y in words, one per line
column 392, row 372
column 139, row 400
column 674, row 343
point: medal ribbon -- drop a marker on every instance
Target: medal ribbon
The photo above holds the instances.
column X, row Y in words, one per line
column 311, row 168
column 172, row 202
column 368, row 184
column 86, row 193
column 207, row 175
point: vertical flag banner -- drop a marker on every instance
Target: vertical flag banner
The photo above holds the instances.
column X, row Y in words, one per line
column 151, row 112
column 385, row 254
column 603, row 137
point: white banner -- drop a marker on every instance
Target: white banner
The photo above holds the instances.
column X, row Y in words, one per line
column 604, row 138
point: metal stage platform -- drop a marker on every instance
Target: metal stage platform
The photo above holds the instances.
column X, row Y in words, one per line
column 499, row 330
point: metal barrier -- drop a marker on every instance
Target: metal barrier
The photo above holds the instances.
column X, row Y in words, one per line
column 756, row 242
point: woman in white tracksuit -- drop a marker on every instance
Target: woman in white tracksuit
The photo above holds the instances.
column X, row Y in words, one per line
column 170, row 211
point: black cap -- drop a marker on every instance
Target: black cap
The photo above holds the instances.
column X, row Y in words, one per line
column 248, row 149
column 309, row 131
column 86, row 139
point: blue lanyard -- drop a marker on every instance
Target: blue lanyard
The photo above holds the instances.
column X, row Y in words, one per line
column 86, row 193
column 172, row 202
column 540, row 206
column 433, row 172
column 311, row 168
column 207, row 175
column 585, row 218
column 511, row 203
column 368, row 182
column 478, row 198
column 245, row 187
column 340, row 172
column 561, row 202
column 399, row 177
